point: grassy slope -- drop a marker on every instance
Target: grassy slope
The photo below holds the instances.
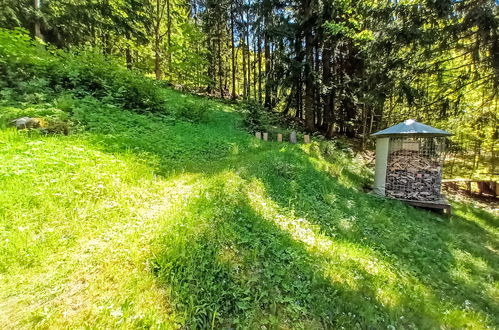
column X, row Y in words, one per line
column 142, row 222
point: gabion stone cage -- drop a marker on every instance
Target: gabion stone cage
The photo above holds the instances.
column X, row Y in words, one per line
column 409, row 161
column 414, row 168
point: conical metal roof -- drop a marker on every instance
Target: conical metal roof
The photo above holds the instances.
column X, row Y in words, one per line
column 411, row 127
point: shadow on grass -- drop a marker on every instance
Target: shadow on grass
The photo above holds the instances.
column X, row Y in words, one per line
column 409, row 239
column 225, row 265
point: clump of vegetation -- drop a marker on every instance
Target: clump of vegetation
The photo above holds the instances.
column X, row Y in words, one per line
column 256, row 117
column 35, row 73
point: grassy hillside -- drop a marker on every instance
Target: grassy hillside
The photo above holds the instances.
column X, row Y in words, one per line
column 137, row 220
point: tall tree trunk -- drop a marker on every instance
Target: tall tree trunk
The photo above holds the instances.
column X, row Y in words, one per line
column 169, row 37
column 37, row 26
column 157, row 42
column 255, row 78
column 309, row 83
column 268, row 83
column 317, row 93
column 157, row 56
column 259, row 68
column 245, row 80
column 220, row 67
column 233, row 51
column 248, row 57
column 128, row 51
column 298, row 76
column 326, row 80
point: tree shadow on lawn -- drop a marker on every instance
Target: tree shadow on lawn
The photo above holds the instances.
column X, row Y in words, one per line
column 226, row 265
column 412, row 240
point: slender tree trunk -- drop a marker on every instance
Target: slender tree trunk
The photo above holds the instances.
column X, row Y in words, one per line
column 248, row 57
column 259, row 69
column 157, row 56
column 309, row 83
column 245, row 80
column 255, row 78
column 298, row 76
column 37, row 26
column 157, row 42
column 317, row 93
column 128, row 51
column 220, row 67
column 268, row 84
column 233, row 51
column 169, row 37
column 326, row 80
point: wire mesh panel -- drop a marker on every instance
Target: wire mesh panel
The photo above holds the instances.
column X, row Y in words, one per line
column 414, row 168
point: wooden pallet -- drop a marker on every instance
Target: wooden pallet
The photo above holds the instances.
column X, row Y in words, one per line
column 442, row 205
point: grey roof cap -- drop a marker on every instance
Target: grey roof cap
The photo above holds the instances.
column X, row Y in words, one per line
column 411, row 127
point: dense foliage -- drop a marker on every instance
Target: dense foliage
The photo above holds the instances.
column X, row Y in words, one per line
column 34, row 73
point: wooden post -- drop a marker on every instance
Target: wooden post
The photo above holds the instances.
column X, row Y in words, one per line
column 292, row 137
column 279, row 137
column 265, row 136
column 258, row 135
column 306, row 138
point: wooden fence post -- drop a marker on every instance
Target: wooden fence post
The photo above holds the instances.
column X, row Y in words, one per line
column 292, row 137
column 265, row 136
column 279, row 137
column 258, row 135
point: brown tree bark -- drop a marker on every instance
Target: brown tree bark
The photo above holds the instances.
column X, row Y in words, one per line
column 233, row 51
column 268, row 83
column 327, row 95
column 259, row 69
column 245, row 81
column 248, row 58
column 309, row 83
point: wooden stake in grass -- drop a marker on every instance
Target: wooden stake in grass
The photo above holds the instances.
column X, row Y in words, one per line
column 258, row 135
column 265, row 136
column 306, row 138
column 279, row 137
column 292, row 137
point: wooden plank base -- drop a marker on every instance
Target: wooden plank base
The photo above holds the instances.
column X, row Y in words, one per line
column 442, row 205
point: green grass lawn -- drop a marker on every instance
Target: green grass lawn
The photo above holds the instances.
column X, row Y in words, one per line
column 142, row 221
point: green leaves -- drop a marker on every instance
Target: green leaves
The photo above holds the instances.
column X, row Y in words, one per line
column 37, row 74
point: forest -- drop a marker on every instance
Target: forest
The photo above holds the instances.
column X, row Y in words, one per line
column 336, row 67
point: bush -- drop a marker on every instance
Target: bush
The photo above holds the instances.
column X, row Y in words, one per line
column 36, row 73
column 256, row 117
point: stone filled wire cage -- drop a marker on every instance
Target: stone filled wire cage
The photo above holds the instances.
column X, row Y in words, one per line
column 409, row 161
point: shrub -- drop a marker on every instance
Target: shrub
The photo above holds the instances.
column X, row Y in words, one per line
column 37, row 73
column 256, row 117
